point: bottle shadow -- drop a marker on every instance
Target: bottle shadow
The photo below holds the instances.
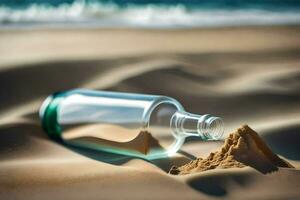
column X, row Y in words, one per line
column 164, row 164
column 22, row 133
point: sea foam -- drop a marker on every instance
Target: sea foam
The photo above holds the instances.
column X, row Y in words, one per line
column 80, row 13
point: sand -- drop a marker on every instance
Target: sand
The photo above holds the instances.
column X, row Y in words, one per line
column 113, row 137
column 246, row 75
column 242, row 148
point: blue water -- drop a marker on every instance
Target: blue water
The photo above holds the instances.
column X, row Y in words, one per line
column 148, row 13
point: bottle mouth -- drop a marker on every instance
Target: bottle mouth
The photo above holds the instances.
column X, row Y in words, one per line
column 213, row 128
column 206, row 126
column 210, row 127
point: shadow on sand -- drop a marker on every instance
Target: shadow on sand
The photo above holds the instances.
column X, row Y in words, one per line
column 285, row 141
column 19, row 136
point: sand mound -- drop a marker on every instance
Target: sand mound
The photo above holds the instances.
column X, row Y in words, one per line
column 242, row 148
column 88, row 136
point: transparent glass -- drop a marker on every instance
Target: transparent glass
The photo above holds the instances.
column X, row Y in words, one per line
column 147, row 126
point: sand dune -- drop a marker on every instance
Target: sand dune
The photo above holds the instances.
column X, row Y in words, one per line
column 245, row 75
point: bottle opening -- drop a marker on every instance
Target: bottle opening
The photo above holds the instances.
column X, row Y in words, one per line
column 186, row 124
column 215, row 128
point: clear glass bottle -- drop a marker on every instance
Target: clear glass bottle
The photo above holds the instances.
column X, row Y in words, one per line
column 146, row 126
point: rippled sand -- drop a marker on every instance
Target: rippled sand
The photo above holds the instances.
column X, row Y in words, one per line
column 246, row 75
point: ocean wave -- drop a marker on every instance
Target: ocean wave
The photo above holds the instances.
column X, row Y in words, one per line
column 112, row 15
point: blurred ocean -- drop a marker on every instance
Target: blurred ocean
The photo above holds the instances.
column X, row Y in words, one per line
column 148, row 13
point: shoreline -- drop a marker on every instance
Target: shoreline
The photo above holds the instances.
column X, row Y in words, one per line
column 136, row 28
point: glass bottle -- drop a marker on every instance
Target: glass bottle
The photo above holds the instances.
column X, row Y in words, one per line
column 140, row 125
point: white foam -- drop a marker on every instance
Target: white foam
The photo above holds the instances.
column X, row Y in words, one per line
column 110, row 15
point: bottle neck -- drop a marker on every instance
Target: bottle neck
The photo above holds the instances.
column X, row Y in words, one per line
column 207, row 127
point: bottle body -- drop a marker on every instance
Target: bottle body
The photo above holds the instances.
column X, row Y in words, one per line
column 147, row 126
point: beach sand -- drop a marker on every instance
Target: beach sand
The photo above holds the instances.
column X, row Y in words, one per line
column 245, row 75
